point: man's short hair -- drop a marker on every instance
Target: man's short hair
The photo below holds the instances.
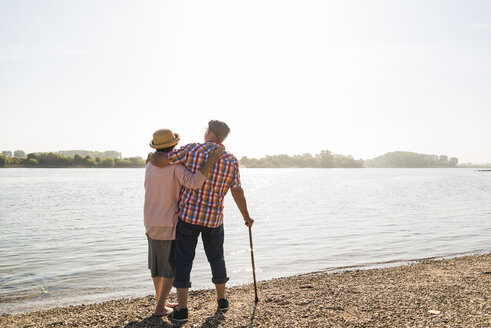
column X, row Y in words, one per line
column 219, row 128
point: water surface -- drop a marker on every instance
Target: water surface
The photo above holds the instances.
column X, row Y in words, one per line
column 72, row 236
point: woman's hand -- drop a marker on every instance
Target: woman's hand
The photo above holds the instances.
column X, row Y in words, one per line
column 215, row 154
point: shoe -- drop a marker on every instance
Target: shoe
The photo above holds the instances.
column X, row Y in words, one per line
column 223, row 304
column 180, row 316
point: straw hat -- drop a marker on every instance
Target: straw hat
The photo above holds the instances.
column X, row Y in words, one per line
column 164, row 138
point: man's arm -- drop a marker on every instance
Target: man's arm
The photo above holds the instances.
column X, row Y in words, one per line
column 178, row 156
column 196, row 180
column 240, row 200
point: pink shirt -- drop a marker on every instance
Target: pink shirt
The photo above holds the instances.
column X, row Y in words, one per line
column 162, row 188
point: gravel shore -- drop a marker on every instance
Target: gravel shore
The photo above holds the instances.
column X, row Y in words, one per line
column 443, row 293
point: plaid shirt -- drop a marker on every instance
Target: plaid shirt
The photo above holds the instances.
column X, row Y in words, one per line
column 204, row 206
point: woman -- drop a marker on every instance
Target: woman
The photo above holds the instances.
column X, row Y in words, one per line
column 162, row 188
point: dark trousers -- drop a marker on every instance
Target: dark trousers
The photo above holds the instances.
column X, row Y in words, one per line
column 186, row 239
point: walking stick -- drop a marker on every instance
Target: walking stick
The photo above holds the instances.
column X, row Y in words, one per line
column 253, row 267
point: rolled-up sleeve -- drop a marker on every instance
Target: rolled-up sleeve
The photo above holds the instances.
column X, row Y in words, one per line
column 180, row 156
column 236, row 176
column 189, row 179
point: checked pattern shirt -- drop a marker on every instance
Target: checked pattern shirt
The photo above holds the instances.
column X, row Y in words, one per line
column 204, row 206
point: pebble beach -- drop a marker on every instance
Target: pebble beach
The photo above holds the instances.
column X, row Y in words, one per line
column 452, row 292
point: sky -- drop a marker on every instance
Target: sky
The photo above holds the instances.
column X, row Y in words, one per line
column 358, row 78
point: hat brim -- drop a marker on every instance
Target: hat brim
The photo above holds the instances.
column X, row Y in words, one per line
column 167, row 144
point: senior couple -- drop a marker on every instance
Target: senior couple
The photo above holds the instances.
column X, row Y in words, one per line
column 184, row 194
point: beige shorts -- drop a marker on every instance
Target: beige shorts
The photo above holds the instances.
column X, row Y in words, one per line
column 161, row 257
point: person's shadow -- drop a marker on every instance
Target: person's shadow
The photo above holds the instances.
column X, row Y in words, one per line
column 210, row 322
column 152, row 321
column 253, row 315
column 214, row 321
column 218, row 317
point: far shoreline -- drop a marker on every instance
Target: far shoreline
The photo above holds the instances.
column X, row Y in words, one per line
column 477, row 168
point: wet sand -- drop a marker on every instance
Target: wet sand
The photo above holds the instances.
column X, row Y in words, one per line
column 445, row 293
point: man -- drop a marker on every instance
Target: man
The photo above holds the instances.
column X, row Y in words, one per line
column 201, row 212
column 162, row 187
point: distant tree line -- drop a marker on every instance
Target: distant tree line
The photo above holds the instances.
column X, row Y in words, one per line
column 323, row 160
column 60, row 160
column 70, row 153
column 17, row 153
column 409, row 159
column 108, row 153
column 326, row 159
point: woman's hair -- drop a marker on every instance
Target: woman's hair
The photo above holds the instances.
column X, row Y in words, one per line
column 165, row 150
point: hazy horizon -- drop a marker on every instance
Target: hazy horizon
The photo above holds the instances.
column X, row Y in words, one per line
column 289, row 77
column 249, row 157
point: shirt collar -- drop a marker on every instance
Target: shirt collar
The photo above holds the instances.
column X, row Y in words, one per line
column 217, row 143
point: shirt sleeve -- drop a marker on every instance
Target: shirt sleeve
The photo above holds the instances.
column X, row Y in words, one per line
column 180, row 155
column 236, row 176
column 189, row 179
